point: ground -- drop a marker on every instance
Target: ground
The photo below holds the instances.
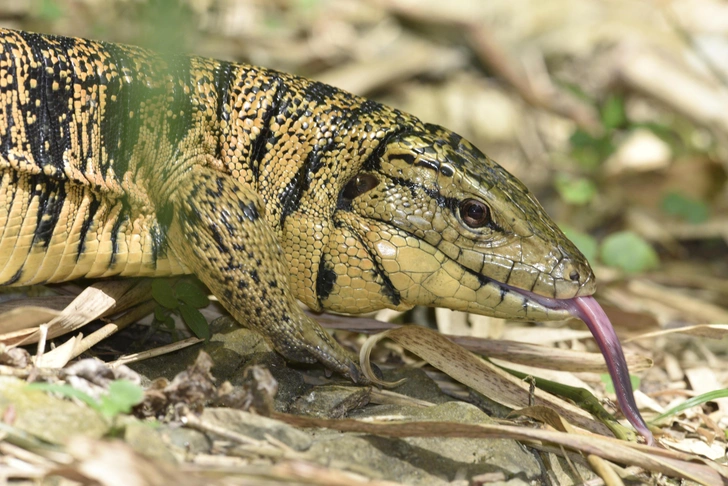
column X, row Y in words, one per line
column 613, row 113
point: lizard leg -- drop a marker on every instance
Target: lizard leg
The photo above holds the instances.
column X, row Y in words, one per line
column 219, row 231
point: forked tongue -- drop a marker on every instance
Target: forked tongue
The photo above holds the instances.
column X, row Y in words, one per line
column 588, row 310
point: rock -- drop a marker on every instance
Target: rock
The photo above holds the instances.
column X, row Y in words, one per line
column 427, row 460
column 417, row 385
column 331, row 401
column 186, row 440
column 147, row 441
column 32, row 413
column 641, row 151
column 231, row 347
column 256, row 427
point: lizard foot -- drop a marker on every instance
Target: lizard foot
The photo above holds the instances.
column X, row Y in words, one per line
column 312, row 343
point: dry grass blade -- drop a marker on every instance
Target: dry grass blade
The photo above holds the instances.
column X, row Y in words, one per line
column 408, row 57
column 514, row 352
column 699, row 309
column 649, row 458
column 60, row 356
column 712, row 331
column 166, row 349
column 21, row 317
column 546, row 357
column 476, row 373
column 604, row 470
column 674, row 83
column 74, row 347
column 92, row 303
column 115, row 463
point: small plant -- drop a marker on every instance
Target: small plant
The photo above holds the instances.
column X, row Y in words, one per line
column 628, row 251
column 609, row 385
column 184, row 299
column 679, row 205
column 121, row 397
column 692, row 402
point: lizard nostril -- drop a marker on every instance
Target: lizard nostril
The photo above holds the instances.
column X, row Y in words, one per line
column 574, row 276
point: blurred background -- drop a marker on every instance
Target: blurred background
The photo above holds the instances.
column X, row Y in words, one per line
column 615, row 113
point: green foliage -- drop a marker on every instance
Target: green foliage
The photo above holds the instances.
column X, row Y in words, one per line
column 609, row 385
column 168, row 25
column 628, row 251
column 677, row 204
column 121, row 397
column 195, row 321
column 692, row 402
column 612, row 113
column 164, row 294
column 308, row 4
column 590, row 151
column 586, row 243
column 575, row 190
column 191, row 295
column 185, row 299
column 49, row 10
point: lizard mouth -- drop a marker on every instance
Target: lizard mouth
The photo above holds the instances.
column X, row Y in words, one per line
column 588, row 310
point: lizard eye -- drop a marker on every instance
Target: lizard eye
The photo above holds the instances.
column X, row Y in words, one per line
column 475, row 213
column 358, row 185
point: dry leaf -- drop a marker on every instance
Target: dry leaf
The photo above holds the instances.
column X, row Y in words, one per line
column 646, row 457
column 475, row 373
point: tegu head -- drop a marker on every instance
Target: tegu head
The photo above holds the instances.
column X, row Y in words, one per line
column 432, row 221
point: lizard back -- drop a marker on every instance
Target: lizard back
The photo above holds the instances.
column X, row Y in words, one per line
column 75, row 126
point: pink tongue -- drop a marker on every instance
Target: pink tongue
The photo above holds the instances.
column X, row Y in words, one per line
column 588, row 310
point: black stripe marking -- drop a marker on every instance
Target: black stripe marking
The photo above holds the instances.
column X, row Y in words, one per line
column 388, row 288
column 38, row 133
column 429, row 164
column 258, row 150
column 15, row 277
column 122, row 217
column 223, row 84
column 325, row 280
column 406, row 158
column 374, row 161
column 119, row 129
column 180, row 107
column 290, row 198
column 93, row 208
column 50, row 206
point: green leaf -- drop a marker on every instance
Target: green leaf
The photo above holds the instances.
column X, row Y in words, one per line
column 195, row 321
column 682, row 206
column 160, row 313
column 628, row 251
column 609, row 385
column 587, row 157
column 580, row 138
column 163, row 293
column 67, row 391
column 122, row 396
column 50, row 10
column 578, row 191
column 191, row 294
column 586, row 243
column 308, row 4
column 693, row 402
column 589, row 151
column 613, row 115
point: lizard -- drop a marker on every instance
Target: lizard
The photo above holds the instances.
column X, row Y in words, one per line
column 269, row 187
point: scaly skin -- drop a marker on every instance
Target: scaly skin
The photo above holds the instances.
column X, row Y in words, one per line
column 268, row 187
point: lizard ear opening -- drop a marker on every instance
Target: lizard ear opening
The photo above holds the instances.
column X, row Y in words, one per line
column 358, row 185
